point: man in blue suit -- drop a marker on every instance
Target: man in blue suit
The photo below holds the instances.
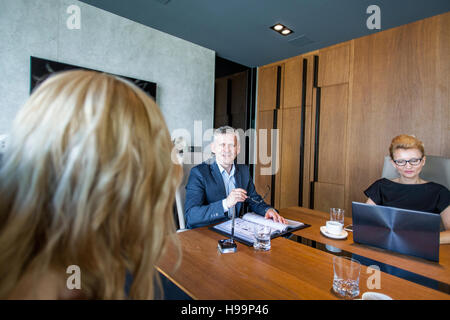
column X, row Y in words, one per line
column 219, row 186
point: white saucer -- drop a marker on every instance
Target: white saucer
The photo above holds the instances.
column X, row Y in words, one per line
column 375, row 296
column 343, row 235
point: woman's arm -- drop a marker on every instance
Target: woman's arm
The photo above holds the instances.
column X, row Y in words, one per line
column 370, row 201
column 445, row 235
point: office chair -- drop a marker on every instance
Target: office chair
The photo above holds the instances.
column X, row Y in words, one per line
column 436, row 169
column 180, row 194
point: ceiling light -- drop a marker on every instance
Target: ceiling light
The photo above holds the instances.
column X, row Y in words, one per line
column 278, row 27
column 281, row 29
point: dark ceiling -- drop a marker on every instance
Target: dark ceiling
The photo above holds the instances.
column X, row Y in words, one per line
column 238, row 30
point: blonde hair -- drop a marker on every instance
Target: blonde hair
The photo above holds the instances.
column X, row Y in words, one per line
column 87, row 180
column 405, row 141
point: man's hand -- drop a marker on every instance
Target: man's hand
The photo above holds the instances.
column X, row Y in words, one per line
column 235, row 196
column 272, row 214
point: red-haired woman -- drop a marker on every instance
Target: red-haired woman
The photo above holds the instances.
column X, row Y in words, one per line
column 409, row 191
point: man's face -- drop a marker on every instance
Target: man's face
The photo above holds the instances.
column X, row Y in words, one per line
column 226, row 148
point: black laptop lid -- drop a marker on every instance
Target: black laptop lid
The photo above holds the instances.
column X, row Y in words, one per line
column 405, row 231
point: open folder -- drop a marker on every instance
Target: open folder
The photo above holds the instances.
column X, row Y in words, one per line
column 243, row 227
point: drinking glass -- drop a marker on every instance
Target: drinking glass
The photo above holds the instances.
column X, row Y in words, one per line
column 346, row 277
column 337, row 214
column 262, row 237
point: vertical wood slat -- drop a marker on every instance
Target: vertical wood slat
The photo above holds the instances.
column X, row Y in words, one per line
column 332, row 134
column 315, row 164
column 302, row 132
column 269, row 117
column 273, row 177
column 267, row 88
column 309, row 130
column 275, row 154
column 289, row 125
column 330, row 122
column 262, row 178
column 290, row 150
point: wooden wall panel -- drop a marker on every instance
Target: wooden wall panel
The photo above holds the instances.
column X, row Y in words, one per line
column 328, row 195
column 332, row 134
column 291, row 131
column 290, row 157
column 372, row 88
column 293, row 69
column 309, row 81
column 308, row 173
column 312, row 145
column 443, row 64
column 334, row 65
column 400, row 85
column 267, row 88
column 332, row 92
column 276, row 159
column 263, row 153
column 307, row 178
column 270, row 87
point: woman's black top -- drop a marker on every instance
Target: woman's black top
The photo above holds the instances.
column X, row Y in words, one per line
column 427, row 197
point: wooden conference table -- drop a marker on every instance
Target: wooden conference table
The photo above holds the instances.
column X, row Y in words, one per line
column 297, row 268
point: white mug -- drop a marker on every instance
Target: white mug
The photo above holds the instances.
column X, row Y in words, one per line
column 334, row 227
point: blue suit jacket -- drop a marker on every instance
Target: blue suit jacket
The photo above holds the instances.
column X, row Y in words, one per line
column 205, row 191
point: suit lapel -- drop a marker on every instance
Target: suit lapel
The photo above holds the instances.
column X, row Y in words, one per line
column 237, row 178
column 218, row 178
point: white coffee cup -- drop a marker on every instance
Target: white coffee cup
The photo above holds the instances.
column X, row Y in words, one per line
column 375, row 296
column 334, row 227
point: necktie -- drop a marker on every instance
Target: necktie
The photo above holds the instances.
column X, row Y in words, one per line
column 229, row 185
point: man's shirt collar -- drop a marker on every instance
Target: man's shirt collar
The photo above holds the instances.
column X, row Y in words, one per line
column 221, row 169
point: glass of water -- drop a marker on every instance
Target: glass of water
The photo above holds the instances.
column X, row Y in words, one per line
column 337, row 214
column 346, row 277
column 262, row 237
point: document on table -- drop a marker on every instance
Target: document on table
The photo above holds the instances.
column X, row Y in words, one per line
column 243, row 227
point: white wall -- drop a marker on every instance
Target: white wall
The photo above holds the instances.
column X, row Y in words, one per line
column 183, row 71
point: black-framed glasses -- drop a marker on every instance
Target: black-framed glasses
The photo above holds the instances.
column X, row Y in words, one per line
column 262, row 199
column 413, row 162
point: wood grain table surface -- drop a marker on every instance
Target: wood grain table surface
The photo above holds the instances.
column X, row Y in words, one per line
column 290, row 270
column 439, row 271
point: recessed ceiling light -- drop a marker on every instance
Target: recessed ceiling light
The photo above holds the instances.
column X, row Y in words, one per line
column 278, row 27
column 281, row 29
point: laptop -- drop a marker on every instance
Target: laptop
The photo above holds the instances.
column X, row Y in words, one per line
column 404, row 231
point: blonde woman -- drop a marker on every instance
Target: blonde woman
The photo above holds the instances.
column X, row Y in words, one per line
column 86, row 181
column 409, row 190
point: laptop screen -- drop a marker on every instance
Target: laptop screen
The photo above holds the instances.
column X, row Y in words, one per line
column 404, row 231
